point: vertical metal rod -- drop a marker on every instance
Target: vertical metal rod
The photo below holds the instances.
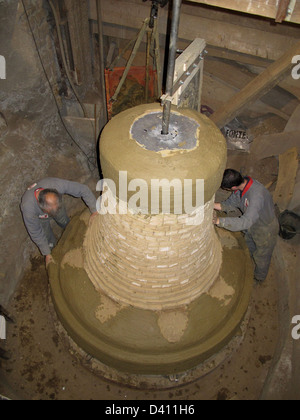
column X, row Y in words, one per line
column 157, row 59
column 148, row 67
column 171, row 64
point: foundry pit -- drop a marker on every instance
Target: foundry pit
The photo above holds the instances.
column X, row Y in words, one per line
column 45, row 133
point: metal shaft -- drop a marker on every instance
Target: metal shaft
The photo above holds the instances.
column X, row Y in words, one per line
column 171, row 64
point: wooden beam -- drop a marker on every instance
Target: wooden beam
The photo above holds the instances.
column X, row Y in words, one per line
column 266, row 8
column 288, row 168
column 77, row 13
column 282, row 11
column 192, row 25
column 274, row 144
column 256, row 89
column 294, row 122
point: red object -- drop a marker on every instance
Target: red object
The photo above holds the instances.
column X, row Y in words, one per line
column 248, row 186
column 137, row 74
column 36, row 193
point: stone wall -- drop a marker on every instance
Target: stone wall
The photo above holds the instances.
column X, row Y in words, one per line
column 33, row 140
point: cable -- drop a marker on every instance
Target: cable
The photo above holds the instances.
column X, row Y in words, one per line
column 61, row 45
column 90, row 159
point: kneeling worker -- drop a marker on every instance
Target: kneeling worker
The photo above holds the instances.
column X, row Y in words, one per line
column 42, row 203
column 258, row 222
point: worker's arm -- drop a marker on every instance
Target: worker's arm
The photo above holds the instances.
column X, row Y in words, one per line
column 36, row 232
column 245, row 222
column 231, row 204
column 218, row 207
column 78, row 190
column 49, row 259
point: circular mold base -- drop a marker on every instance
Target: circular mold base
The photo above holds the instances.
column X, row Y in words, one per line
column 132, row 343
column 150, row 382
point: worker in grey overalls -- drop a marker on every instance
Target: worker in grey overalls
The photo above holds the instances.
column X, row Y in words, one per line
column 258, row 221
column 42, row 203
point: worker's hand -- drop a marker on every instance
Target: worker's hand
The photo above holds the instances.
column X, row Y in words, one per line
column 49, row 260
column 93, row 217
column 218, row 207
column 216, row 220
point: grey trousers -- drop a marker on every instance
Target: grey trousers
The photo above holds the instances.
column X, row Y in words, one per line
column 61, row 219
column 261, row 243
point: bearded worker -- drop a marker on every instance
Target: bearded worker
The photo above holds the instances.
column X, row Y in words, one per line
column 43, row 202
column 258, row 221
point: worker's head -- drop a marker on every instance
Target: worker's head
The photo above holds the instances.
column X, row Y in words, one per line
column 232, row 180
column 50, row 201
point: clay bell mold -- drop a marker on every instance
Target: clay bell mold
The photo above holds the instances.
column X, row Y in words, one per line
column 136, row 341
column 120, row 152
column 153, row 294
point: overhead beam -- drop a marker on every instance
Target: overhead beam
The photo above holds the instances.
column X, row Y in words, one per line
column 216, row 33
column 256, row 89
column 266, row 8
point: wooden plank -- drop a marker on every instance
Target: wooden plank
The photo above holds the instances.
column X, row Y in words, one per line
column 288, row 167
column 256, row 64
column 237, row 57
column 215, row 93
column 294, row 122
column 256, row 89
column 215, row 32
column 275, row 144
column 267, row 8
column 239, row 76
column 282, row 10
column 291, row 85
column 230, row 73
column 77, row 12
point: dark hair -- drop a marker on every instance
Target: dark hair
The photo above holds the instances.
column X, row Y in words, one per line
column 43, row 198
column 231, row 179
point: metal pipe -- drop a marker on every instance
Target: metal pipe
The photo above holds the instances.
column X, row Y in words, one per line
column 104, row 113
column 171, row 64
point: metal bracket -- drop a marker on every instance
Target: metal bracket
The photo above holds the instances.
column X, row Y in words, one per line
column 154, row 10
column 188, row 66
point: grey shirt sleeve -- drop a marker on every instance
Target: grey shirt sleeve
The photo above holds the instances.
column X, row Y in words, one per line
column 36, row 232
column 78, row 190
column 245, row 222
column 232, row 203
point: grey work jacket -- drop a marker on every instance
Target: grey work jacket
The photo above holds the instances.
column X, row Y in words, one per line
column 256, row 205
column 33, row 215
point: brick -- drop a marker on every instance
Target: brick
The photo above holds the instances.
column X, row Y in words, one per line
column 152, row 262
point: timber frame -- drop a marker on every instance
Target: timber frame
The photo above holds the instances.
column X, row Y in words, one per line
column 266, row 8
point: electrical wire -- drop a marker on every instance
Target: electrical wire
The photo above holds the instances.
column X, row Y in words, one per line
column 61, row 45
column 90, row 159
